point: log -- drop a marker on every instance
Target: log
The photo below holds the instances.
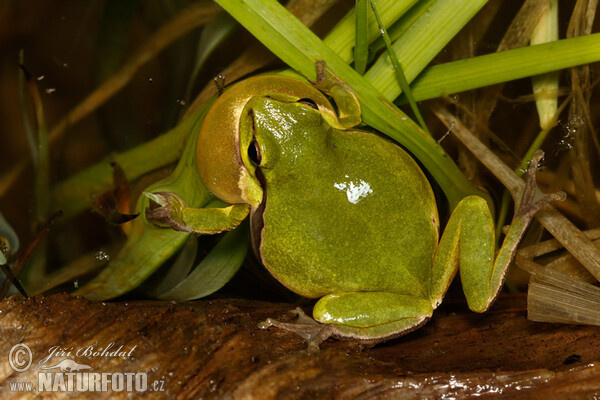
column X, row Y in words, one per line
column 213, row 349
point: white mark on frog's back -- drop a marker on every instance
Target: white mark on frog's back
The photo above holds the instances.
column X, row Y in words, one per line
column 356, row 190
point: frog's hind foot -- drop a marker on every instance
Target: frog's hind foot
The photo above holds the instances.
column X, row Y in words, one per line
column 310, row 330
column 533, row 199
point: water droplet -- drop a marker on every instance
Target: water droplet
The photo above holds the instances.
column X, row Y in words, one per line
column 101, row 255
column 50, row 90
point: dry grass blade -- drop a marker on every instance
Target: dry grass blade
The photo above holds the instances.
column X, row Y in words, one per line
column 580, row 125
column 517, row 35
column 559, row 298
column 580, row 246
column 257, row 56
column 523, row 24
column 188, row 19
column 569, row 207
column 566, row 263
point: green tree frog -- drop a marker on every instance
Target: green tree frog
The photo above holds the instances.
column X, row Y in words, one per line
column 338, row 214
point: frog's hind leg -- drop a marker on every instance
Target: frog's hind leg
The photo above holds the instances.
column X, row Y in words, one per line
column 368, row 316
column 372, row 316
column 468, row 241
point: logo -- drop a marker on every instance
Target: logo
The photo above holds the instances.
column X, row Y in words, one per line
column 68, row 366
column 68, row 375
column 20, row 357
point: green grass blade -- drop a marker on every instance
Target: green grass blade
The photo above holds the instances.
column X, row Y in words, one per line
column 421, row 42
column 398, row 68
column 295, row 44
column 341, row 39
column 361, row 47
column 399, row 27
column 489, row 69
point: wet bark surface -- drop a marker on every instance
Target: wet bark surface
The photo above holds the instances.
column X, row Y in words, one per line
column 215, row 350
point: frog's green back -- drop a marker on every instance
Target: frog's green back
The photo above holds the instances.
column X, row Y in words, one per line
column 385, row 224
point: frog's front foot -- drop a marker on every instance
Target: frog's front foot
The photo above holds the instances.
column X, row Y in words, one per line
column 165, row 210
column 312, row 331
column 533, row 200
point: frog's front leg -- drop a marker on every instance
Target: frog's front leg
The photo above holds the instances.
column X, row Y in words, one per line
column 167, row 210
column 468, row 245
column 368, row 316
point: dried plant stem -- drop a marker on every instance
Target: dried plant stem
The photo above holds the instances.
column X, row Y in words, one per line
column 560, row 227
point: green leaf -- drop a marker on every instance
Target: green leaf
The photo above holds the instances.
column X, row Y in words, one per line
column 177, row 272
column 215, row 270
column 148, row 247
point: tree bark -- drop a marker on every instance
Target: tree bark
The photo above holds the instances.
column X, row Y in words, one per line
column 215, row 350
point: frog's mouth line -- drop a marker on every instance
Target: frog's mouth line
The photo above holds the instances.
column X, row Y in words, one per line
column 257, row 222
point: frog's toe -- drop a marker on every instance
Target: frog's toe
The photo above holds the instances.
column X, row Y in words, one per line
column 312, row 331
column 532, row 199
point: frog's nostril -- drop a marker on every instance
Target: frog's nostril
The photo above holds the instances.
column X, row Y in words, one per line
column 309, row 102
column 254, row 152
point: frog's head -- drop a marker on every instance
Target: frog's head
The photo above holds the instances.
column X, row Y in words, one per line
column 227, row 152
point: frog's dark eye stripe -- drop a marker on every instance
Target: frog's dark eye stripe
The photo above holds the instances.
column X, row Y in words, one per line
column 309, row 102
column 254, row 152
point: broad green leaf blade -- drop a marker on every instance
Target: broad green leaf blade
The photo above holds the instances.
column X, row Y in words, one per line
column 177, row 272
column 215, row 270
column 296, row 45
column 459, row 76
column 148, row 247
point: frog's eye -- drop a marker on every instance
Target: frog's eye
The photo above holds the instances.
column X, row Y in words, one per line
column 254, row 152
column 308, row 102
